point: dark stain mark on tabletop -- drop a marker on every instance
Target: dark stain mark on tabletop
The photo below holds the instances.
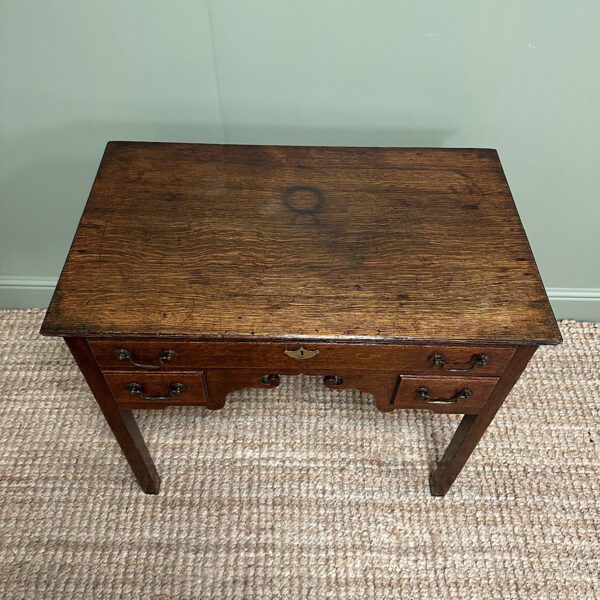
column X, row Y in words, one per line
column 305, row 201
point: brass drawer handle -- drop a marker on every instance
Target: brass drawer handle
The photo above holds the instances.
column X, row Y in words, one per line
column 165, row 356
column 137, row 389
column 425, row 395
column 301, row 353
column 439, row 360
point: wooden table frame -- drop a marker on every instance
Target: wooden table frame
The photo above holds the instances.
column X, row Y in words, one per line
column 125, row 429
column 200, row 269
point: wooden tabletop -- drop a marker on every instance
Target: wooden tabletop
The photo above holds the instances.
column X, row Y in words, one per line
column 274, row 242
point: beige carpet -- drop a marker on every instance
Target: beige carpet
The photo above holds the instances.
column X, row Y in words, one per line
column 297, row 492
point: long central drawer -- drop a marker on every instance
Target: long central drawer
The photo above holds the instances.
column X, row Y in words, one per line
column 162, row 355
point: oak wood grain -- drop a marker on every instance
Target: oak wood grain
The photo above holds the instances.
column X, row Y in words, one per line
column 203, row 355
column 222, row 242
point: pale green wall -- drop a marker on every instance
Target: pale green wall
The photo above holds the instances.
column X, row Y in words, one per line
column 517, row 75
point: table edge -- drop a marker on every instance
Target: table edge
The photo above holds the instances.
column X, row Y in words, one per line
column 355, row 340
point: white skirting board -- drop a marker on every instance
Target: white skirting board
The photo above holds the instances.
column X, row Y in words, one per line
column 580, row 304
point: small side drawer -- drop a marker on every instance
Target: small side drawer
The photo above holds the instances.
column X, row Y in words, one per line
column 444, row 394
column 135, row 389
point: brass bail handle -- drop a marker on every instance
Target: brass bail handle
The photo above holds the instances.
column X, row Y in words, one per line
column 301, row 353
column 439, row 360
column 137, row 389
column 165, row 356
column 424, row 394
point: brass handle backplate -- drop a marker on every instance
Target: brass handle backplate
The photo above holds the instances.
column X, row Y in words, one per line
column 439, row 360
column 425, row 395
column 137, row 389
column 165, row 356
column 301, row 353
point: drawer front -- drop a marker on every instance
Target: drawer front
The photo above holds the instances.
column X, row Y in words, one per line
column 163, row 355
column 135, row 389
column 444, row 394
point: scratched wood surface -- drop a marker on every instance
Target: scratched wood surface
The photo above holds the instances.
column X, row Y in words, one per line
column 266, row 242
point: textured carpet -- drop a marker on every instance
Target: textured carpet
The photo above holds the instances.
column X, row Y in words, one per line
column 297, row 492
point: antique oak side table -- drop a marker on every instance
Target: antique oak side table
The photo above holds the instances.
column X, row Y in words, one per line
column 201, row 269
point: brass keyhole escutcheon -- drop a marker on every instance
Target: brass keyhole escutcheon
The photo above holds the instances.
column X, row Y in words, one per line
column 301, row 353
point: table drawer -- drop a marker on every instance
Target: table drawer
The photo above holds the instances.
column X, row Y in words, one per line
column 135, row 389
column 444, row 394
column 164, row 355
